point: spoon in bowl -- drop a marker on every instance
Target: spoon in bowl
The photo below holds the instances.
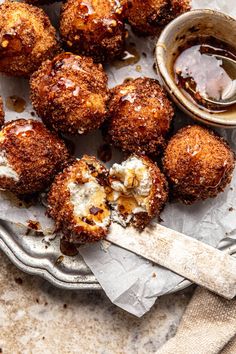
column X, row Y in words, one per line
column 228, row 96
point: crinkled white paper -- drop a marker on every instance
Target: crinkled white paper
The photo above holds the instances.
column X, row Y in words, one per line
column 227, row 6
column 132, row 282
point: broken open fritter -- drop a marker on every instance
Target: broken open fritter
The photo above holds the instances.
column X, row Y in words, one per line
column 139, row 191
column 86, row 197
column 77, row 201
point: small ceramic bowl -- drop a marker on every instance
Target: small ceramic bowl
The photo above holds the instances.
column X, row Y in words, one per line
column 183, row 29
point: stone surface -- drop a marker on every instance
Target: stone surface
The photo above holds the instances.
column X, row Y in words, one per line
column 37, row 318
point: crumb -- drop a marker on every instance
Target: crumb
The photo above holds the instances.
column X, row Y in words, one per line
column 65, row 306
column 32, row 224
column 18, row 281
column 16, row 104
column 59, row 260
column 127, row 79
column 154, row 275
column 231, row 209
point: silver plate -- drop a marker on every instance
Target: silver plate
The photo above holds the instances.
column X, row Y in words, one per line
column 37, row 255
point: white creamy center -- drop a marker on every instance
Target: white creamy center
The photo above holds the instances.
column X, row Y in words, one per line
column 6, row 169
column 85, row 196
column 131, row 183
column 133, row 178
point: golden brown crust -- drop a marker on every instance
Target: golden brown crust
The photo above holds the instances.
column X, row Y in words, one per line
column 61, row 209
column 70, row 93
column 199, row 164
column 93, row 28
column 27, row 38
column 34, row 153
column 150, row 16
column 140, row 116
column 2, row 114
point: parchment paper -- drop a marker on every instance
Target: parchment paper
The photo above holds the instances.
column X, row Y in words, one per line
column 131, row 282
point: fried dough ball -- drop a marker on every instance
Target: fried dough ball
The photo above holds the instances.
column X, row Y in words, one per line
column 70, row 93
column 30, row 156
column 199, row 164
column 139, row 191
column 93, row 28
column 140, row 116
column 26, row 38
column 2, row 114
column 150, row 16
column 77, row 201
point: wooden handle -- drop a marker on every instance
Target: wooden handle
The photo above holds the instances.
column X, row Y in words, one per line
column 194, row 260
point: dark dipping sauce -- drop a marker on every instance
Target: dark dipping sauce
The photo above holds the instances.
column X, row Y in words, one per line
column 199, row 74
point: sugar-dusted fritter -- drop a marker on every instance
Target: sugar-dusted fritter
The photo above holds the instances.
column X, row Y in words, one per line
column 150, row 16
column 2, row 114
column 30, row 156
column 77, row 201
column 94, row 28
column 198, row 163
column 140, row 115
column 26, row 38
column 70, row 93
column 139, row 191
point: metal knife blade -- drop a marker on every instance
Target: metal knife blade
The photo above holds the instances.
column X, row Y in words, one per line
column 194, row 260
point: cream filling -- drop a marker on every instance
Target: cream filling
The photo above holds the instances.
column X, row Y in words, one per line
column 117, row 217
column 6, row 169
column 85, row 196
column 131, row 179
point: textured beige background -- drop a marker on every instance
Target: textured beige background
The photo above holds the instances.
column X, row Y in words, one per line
column 37, row 318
